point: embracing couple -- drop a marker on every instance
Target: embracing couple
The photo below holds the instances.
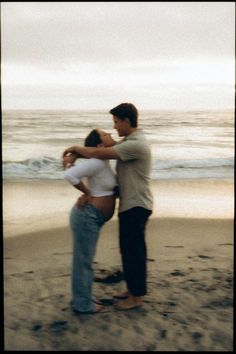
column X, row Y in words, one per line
column 97, row 205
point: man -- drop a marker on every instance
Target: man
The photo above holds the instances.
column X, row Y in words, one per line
column 133, row 157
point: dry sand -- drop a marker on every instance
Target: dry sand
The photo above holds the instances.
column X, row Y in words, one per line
column 188, row 306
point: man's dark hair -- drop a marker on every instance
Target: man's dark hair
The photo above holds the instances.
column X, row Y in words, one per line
column 126, row 110
column 93, row 139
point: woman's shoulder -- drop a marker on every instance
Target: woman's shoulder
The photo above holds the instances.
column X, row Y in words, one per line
column 97, row 162
column 90, row 163
column 100, row 164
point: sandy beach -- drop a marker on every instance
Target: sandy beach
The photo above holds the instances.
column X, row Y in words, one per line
column 189, row 305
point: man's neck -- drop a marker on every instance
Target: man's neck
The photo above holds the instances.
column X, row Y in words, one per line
column 131, row 131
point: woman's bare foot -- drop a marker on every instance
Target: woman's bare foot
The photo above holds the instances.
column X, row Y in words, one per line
column 98, row 309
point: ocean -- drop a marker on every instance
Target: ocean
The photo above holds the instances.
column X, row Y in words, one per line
column 185, row 144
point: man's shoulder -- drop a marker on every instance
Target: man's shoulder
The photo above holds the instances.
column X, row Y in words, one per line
column 138, row 135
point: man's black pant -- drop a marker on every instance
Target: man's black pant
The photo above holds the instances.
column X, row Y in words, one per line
column 133, row 250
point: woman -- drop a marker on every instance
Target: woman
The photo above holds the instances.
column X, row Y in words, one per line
column 95, row 207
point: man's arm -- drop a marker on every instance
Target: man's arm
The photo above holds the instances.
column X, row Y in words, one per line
column 97, row 152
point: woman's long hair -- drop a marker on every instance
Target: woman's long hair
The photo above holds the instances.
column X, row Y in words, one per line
column 93, row 139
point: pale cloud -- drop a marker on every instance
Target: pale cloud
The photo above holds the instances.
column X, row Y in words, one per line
column 117, row 32
column 149, row 73
column 70, row 49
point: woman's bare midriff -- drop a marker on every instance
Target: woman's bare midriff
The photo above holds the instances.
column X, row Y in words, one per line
column 106, row 205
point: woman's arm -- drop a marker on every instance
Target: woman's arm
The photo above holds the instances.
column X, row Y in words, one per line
column 85, row 197
column 75, row 174
column 82, row 187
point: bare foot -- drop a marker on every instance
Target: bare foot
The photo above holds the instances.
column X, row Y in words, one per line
column 130, row 303
column 123, row 295
column 98, row 309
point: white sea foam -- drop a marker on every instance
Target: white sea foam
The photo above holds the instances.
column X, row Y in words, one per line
column 184, row 144
column 51, row 168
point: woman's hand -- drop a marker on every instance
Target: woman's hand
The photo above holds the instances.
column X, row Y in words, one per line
column 83, row 200
column 69, row 160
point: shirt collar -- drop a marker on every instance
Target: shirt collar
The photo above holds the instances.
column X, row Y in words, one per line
column 134, row 134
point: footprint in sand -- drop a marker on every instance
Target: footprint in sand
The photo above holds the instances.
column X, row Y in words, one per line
column 196, row 336
column 36, row 327
column 174, row 246
column 18, row 275
column 204, row 257
column 163, row 333
column 224, row 244
column 170, row 303
column 222, row 303
column 58, row 326
column 177, row 273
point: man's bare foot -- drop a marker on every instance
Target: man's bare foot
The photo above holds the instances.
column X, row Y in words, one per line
column 123, row 295
column 130, row 303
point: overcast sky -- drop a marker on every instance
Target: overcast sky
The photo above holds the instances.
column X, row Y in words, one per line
column 95, row 55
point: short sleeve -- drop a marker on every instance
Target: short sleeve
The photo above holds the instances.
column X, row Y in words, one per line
column 86, row 168
column 129, row 150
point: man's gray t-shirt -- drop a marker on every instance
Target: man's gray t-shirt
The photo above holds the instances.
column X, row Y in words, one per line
column 133, row 172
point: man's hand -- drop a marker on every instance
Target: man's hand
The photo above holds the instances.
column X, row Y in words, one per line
column 71, row 150
column 105, row 153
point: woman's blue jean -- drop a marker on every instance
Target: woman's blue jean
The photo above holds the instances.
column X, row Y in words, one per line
column 85, row 225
